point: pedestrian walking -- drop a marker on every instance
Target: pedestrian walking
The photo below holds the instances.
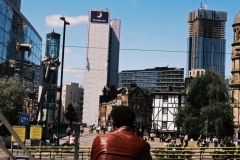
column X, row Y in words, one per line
column 151, row 136
column 69, row 132
column 81, row 130
column 186, row 140
column 181, row 139
column 199, row 140
column 49, row 130
column 98, row 129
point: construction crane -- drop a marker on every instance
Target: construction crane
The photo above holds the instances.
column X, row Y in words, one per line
column 205, row 5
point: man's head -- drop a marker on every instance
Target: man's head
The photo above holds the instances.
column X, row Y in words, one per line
column 123, row 116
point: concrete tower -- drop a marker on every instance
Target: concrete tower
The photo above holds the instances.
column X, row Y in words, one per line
column 101, row 61
column 235, row 83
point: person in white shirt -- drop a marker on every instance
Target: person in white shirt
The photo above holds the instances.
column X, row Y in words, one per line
column 72, row 138
column 215, row 141
column 98, row 129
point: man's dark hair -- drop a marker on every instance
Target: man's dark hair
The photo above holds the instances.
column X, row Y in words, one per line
column 123, row 116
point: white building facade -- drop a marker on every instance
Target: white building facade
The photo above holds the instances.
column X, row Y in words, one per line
column 72, row 93
column 101, row 61
column 165, row 106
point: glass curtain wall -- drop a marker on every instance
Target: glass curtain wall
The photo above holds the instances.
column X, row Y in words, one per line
column 15, row 28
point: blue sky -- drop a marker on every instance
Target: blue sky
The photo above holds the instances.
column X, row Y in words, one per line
column 157, row 25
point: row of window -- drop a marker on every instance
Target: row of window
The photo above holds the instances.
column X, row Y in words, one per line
column 164, row 80
column 13, row 28
column 151, row 73
column 150, row 77
column 10, row 32
column 152, row 85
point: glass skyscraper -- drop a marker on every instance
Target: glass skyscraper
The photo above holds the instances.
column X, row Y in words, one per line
column 52, row 45
column 206, row 41
column 49, row 79
column 14, row 27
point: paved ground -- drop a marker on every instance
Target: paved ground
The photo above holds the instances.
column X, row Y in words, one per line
column 85, row 140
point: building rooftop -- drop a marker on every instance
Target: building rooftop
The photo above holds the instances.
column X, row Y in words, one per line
column 237, row 18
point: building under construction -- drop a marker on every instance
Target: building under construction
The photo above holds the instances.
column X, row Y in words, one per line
column 206, row 42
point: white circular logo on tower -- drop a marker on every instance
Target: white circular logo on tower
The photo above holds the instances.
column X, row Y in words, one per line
column 99, row 15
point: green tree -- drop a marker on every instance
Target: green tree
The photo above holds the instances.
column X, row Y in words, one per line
column 75, row 106
column 207, row 109
column 11, row 98
column 71, row 114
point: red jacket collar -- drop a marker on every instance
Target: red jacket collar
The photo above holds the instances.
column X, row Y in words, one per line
column 124, row 129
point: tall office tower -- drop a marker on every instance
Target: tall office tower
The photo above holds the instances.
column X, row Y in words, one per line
column 14, row 27
column 206, row 41
column 235, row 83
column 101, row 61
column 49, row 78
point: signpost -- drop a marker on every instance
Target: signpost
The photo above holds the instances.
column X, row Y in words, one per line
column 24, row 118
column 36, row 132
column 21, row 132
column 11, row 130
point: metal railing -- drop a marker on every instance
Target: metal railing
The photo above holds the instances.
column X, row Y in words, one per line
column 55, row 152
column 200, row 153
column 161, row 153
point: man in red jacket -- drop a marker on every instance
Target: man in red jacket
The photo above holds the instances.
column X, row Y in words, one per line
column 122, row 143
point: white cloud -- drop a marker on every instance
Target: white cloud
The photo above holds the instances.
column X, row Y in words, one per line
column 78, row 71
column 55, row 21
column 75, row 75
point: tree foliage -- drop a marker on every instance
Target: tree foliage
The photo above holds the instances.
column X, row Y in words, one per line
column 71, row 114
column 207, row 111
column 11, row 98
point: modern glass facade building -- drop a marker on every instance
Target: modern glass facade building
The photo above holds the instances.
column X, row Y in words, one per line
column 154, row 77
column 49, row 79
column 206, row 41
column 52, row 45
column 14, row 27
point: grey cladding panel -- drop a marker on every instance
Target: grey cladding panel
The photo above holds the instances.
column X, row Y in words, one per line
column 189, row 16
column 201, row 14
column 222, row 16
column 208, row 15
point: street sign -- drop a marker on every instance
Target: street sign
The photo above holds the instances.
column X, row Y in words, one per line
column 21, row 132
column 36, row 132
column 24, row 118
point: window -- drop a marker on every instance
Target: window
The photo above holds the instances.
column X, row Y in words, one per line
column 164, row 125
column 164, row 110
column 165, row 98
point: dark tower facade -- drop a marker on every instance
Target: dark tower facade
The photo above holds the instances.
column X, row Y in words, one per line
column 206, row 41
column 49, row 68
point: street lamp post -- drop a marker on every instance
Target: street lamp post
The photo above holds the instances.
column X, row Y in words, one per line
column 60, row 98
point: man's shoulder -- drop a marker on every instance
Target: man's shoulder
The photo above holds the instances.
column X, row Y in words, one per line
column 121, row 136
